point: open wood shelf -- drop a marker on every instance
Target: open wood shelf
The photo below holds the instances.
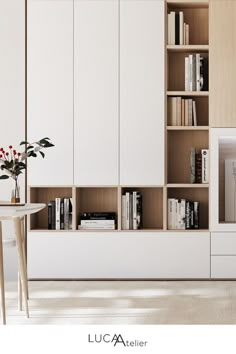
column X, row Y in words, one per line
column 197, row 194
column 182, row 127
column 178, row 153
column 152, row 206
column 188, row 93
column 187, row 48
column 187, row 185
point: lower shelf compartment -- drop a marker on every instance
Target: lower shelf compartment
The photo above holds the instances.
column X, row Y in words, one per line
column 118, row 255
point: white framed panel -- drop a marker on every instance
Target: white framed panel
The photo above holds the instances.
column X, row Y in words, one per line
column 50, row 89
column 96, row 132
column 223, row 243
column 223, row 267
column 114, row 255
column 142, row 92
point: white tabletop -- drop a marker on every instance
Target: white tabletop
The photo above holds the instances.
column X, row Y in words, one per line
column 14, row 210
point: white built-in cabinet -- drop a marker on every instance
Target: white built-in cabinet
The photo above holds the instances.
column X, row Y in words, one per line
column 96, row 92
column 142, row 92
column 50, row 89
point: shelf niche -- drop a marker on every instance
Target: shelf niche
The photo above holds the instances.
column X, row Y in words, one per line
column 178, row 153
column 39, row 221
column 96, row 199
column 201, row 109
column 196, row 15
column 200, row 195
column 152, row 206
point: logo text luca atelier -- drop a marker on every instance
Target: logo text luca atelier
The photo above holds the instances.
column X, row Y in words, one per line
column 115, row 339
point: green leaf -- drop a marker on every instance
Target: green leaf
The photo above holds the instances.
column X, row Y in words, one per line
column 42, row 154
column 24, row 143
column 4, row 177
column 30, row 147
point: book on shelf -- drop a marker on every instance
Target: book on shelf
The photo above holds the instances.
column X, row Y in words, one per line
column 178, row 30
column 131, row 216
column 199, row 166
column 97, row 220
column 196, row 73
column 183, row 214
column 60, row 214
column 183, row 111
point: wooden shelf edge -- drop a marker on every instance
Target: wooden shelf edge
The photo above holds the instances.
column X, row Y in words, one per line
column 187, row 185
column 188, row 93
column 183, row 127
column 187, row 48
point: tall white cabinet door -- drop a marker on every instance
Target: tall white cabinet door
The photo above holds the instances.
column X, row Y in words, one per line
column 141, row 92
column 50, row 89
column 96, row 92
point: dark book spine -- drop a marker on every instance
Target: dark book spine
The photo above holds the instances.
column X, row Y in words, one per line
column 187, row 215
column 191, row 215
column 205, row 74
column 49, row 216
column 196, row 215
column 177, row 41
column 198, row 168
column 53, row 215
column 62, row 214
column 139, row 211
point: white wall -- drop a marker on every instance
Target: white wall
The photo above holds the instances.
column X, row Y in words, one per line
column 12, row 99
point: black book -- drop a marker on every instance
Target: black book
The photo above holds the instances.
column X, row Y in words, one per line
column 205, row 74
column 50, row 215
column 187, row 215
column 177, row 41
column 191, row 215
column 62, row 214
column 98, row 216
column 196, row 215
column 53, row 214
column 139, row 211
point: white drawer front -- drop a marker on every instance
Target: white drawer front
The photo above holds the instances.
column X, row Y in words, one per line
column 223, row 243
column 223, row 267
column 118, row 255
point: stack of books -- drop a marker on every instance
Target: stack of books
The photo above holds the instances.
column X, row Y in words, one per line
column 178, row 30
column 60, row 214
column 182, row 111
column 131, row 218
column 196, row 73
column 97, row 220
column 183, row 214
column 199, row 166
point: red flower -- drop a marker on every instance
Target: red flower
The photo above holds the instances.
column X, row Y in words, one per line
column 1, row 149
column 14, row 152
column 0, row 156
column 7, row 153
column 19, row 154
column 10, row 146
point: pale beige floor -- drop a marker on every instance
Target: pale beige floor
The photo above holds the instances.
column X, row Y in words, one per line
column 125, row 302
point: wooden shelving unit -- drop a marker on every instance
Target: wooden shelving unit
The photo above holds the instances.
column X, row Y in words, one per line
column 180, row 139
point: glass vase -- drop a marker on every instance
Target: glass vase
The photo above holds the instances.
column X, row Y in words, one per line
column 15, row 193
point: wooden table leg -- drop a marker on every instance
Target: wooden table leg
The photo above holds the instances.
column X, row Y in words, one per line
column 24, row 250
column 2, row 279
column 19, row 293
column 21, row 260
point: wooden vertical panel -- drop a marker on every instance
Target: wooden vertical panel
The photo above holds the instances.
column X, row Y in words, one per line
column 222, row 63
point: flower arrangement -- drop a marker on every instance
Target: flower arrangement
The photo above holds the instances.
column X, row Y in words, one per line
column 13, row 162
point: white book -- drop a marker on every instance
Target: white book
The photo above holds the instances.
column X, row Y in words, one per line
column 135, row 224
column 97, row 222
column 127, row 209
column 198, row 72
column 190, row 72
column 184, row 33
column 172, row 16
column 190, row 112
column 187, row 70
column 169, row 29
column 176, row 214
column 182, row 214
column 178, row 111
column 194, row 114
column 186, row 112
column 123, row 215
column 96, row 227
column 205, row 165
column 181, row 28
column 57, row 207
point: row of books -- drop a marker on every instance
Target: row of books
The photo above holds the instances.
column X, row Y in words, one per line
column 131, row 218
column 183, row 214
column 183, row 111
column 199, row 166
column 60, row 214
column 196, row 73
column 97, row 220
column 178, row 30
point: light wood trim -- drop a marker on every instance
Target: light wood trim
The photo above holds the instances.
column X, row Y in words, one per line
column 222, row 66
column 187, row 185
column 187, row 93
column 182, row 127
column 188, row 48
column 189, row 3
